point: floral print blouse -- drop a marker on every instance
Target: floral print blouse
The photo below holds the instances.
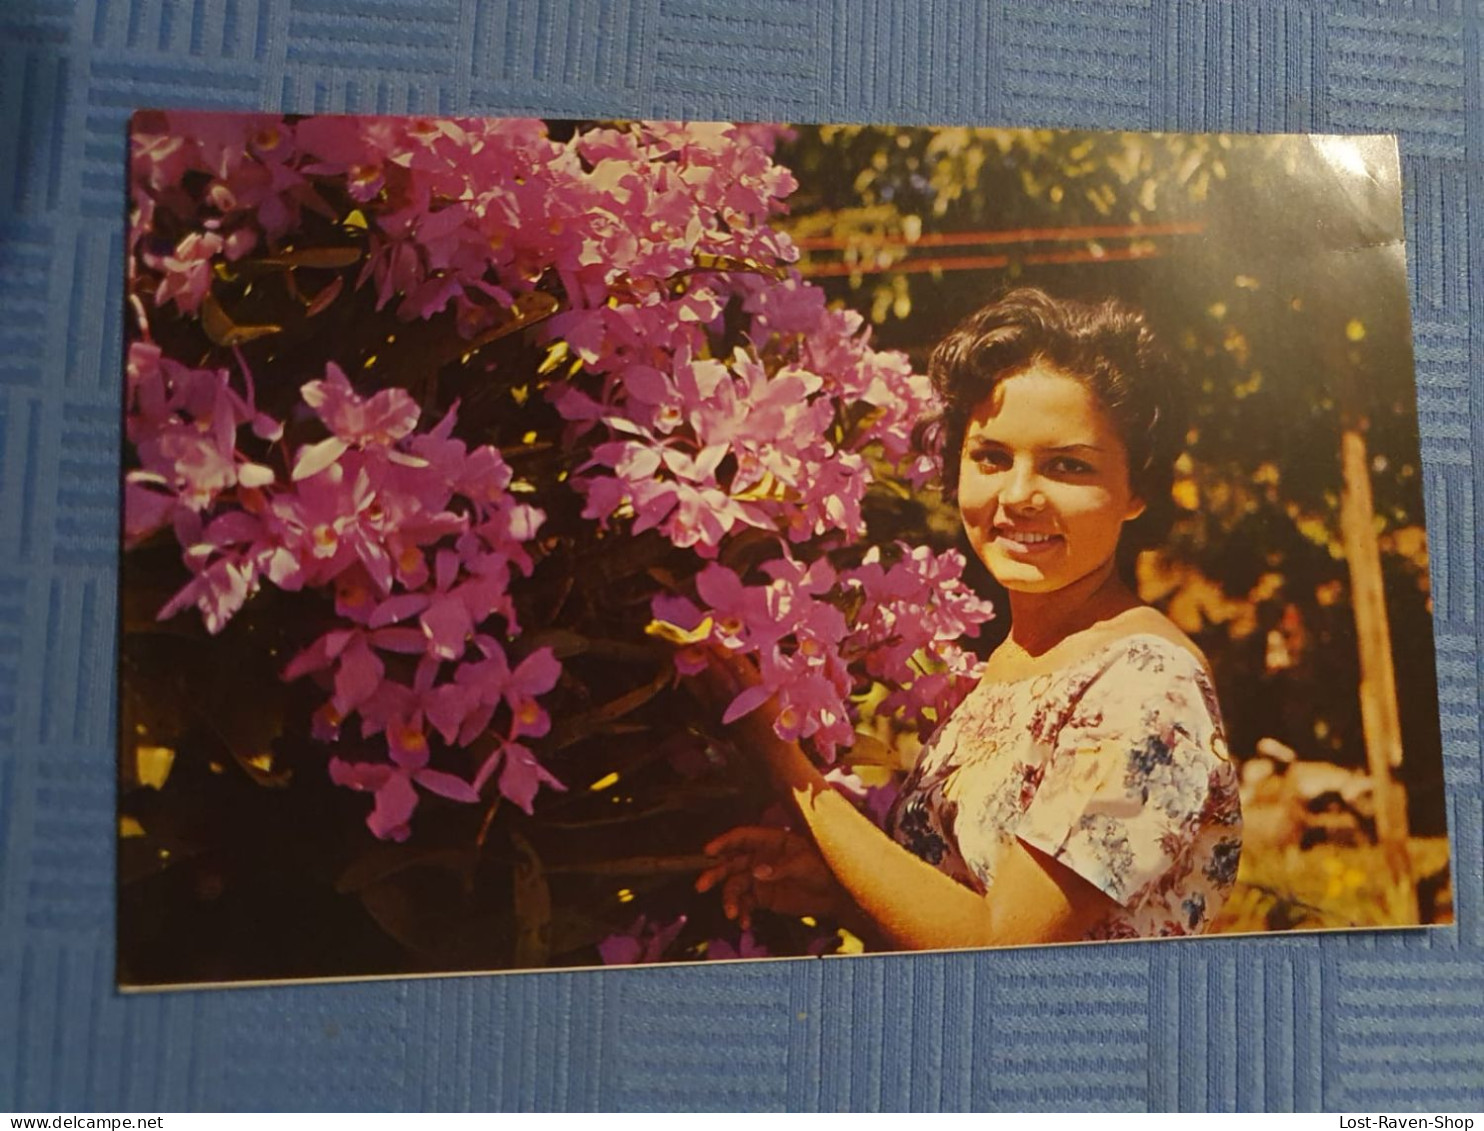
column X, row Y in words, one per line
column 1116, row 766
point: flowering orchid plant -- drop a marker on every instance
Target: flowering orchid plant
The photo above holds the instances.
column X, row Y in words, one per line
column 532, row 419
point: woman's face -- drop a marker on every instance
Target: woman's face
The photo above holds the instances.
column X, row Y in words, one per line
column 1044, row 489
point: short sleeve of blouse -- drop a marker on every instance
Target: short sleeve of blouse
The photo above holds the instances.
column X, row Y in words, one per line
column 1127, row 786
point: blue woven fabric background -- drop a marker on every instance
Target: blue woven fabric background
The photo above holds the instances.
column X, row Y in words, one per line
column 1344, row 1021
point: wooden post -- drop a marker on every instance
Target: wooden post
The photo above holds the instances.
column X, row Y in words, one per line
column 1380, row 717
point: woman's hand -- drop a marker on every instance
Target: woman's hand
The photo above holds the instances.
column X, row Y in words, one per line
column 851, row 871
column 775, row 870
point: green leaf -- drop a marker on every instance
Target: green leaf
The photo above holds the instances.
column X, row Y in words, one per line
column 528, row 309
column 223, row 331
column 637, row 866
column 687, row 799
column 563, row 642
column 246, row 723
column 572, row 930
column 532, row 906
column 599, row 718
column 705, row 261
column 384, row 861
column 152, row 764
column 321, row 258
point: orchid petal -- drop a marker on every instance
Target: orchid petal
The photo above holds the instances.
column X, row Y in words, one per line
column 447, row 785
column 395, row 803
column 399, row 608
column 316, row 457
column 749, row 701
column 521, row 776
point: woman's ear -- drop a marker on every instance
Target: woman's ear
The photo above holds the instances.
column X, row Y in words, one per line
column 1136, row 507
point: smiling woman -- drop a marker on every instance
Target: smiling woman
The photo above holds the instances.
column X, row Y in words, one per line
column 1084, row 788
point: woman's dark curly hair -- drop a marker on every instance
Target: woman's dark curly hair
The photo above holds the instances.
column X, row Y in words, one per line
column 1107, row 346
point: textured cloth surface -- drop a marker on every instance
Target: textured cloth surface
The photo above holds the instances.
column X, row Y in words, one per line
column 1357, row 1021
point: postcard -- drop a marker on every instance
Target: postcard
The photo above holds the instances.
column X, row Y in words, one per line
column 555, row 544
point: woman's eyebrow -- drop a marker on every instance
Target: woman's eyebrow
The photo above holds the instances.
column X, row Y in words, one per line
column 1053, row 449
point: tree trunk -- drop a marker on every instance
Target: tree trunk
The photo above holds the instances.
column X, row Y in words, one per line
column 1380, row 717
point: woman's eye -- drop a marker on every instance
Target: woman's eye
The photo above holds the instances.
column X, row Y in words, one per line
column 1066, row 465
column 992, row 460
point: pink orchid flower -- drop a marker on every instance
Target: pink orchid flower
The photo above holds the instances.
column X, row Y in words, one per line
column 644, row 941
column 521, row 775
column 396, row 797
column 354, row 421
column 186, row 271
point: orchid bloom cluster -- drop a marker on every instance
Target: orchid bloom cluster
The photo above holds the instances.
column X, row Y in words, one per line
column 905, row 622
column 708, row 390
column 773, row 438
column 416, row 535
column 461, row 212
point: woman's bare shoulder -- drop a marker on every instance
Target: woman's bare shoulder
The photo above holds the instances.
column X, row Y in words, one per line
column 1092, row 644
column 1145, row 620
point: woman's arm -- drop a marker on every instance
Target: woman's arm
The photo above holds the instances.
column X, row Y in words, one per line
column 1034, row 899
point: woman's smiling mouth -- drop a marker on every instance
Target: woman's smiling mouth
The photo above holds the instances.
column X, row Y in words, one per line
column 1026, row 541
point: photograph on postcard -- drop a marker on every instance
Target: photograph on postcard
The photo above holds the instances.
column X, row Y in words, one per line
column 567, row 544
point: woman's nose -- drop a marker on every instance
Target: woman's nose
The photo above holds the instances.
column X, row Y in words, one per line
column 1020, row 486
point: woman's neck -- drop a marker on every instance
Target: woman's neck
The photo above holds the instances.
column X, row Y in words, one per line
column 1041, row 621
